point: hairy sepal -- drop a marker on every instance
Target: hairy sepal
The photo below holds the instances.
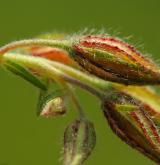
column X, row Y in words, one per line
column 132, row 120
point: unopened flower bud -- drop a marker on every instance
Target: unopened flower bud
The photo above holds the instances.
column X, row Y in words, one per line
column 112, row 59
column 54, row 107
column 79, row 141
column 53, row 104
column 134, row 116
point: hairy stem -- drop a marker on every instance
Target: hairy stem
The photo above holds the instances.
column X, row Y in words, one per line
column 58, row 72
column 76, row 102
column 63, row 44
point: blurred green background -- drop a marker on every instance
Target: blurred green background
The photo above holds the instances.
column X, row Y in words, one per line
column 28, row 140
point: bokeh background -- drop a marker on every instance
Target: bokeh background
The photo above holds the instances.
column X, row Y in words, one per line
column 28, row 140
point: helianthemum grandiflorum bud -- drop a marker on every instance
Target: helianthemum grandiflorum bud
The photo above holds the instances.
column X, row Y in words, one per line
column 52, row 104
column 112, row 59
column 133, row 114
column 54, row 107
column 79, row 141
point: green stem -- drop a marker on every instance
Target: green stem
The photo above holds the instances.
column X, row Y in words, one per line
column 76, row 102
column 69, row 89
column 63, row 44
column 59, row 72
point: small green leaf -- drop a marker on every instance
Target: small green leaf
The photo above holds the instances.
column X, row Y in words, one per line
column 26, row 74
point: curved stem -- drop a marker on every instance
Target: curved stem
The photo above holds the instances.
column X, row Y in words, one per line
column 76, row 102
column 58, row 71
column 81, row 76
column 63, row 44
column 69, row 89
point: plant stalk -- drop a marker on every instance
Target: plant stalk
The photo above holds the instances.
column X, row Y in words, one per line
column 59, row 72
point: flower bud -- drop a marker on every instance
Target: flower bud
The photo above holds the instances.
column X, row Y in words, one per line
column 54, row 107
column 53, row 104
column 134, row 116
column 79, row 141
column 115, row 60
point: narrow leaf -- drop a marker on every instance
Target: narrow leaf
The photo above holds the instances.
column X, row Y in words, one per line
column 26, row 74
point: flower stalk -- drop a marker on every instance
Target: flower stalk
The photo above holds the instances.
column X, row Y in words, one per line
column 63, row 44
column 59, row 72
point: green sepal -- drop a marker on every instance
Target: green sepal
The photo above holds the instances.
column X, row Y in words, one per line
column 125, row 110
column 125, row 107
column 26, row 74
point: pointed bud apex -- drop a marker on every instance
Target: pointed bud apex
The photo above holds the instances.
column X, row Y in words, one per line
column 115, row 60
column 53, row 104
column 54, row 107
column 79, row 141
column 133, row 115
